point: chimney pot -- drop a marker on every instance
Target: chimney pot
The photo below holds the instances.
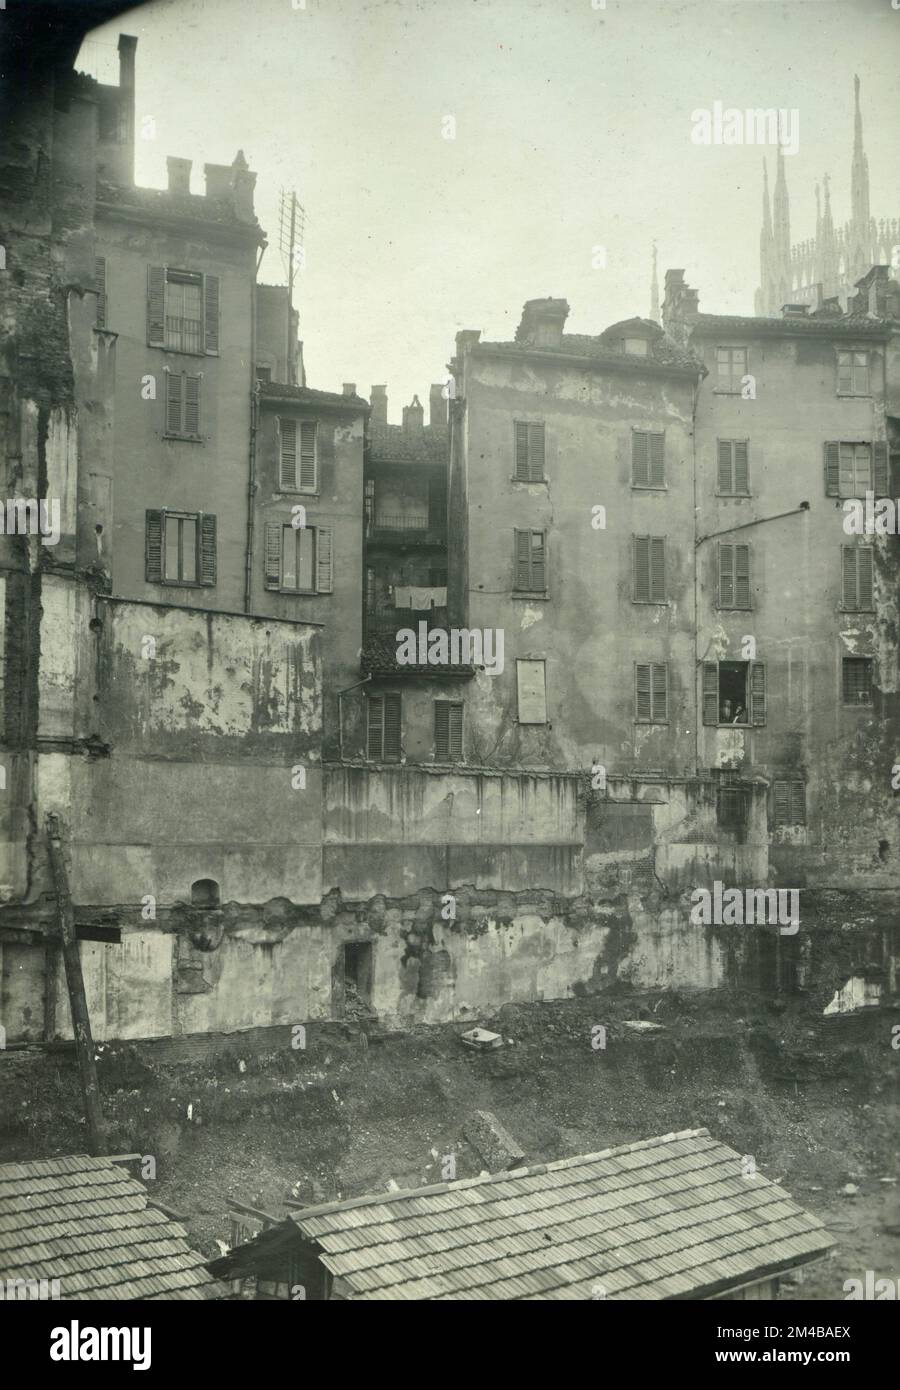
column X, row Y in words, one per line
column 437, row 406
column 378, row 405
column 413, row 416
column 179, row 171
column 349, row 388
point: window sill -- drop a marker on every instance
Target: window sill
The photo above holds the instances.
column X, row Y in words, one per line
column 184, row 438
column 530, row 482
column 736, row 496
column 180, row 583
column 855, row 612
column 855, row 395
column 298, row 593
column 651, row 602
column 182, row 352
column 733, row 608
column 727, row 391
column 861, row 704
column 653, row 723
column 532, row 595
column 649, row 487
column 741, row 724
column 297, row 492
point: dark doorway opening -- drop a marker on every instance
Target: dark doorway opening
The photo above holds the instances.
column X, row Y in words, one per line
column 111, row 935
column 358, row 971
column 205, row 893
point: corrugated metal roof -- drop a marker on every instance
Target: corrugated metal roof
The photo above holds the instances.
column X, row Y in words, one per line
column 671, row 1217
column 86, row 1222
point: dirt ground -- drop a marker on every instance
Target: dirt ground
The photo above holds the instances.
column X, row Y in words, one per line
column 251, row 1117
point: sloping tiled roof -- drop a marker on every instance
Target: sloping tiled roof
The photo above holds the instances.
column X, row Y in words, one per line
column 86, row 1222
column 672, row 1217
column 307, row 395
column 847, row 326
column 393, row 444
column 378, row 657
column 161, row 202
column 663, row 351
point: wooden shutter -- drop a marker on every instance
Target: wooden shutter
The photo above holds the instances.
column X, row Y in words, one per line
column 192, row 404
column 273, row 555
column 174, row 403
column 375, row 710
column 324, row 560
column 643, row 704
column 521, row 450
column 725, row 481
column 832, row 469
column 308, row 455
column 287, row 430
column 211, row 312
column 849, row 591
column 710, row 692
column 156, row 305
column 726, row 576
column 522, row 559
column 782, row 803
column 207, row 545
column 391, row 749
column 798, row 803
column 741, row 466
column 642, row 569
column 657, row 460
column 153, row 543
column 536, row 555
column 659, row 692
column 880, row 483
column 742, row 576
column 757, row 692
column 536, row 453
column 442, row 730
column 640, row 458
column 456, row 722
column 657, row 569
column 100, row 287
column 865, row 576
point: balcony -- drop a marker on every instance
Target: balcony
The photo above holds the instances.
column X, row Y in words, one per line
column 415, row 528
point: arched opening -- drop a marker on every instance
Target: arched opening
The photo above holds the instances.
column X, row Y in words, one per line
column 204, row 893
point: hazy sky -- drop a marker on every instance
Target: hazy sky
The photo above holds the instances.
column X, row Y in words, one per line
column 572, row 130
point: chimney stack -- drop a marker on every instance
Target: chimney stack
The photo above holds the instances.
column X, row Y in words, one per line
column 413, row 417
column 179, row 174
column 680, row 306
column 437, row 407
column 349, row 388
column 378, row 405
column 243, row 182
column 542, row 323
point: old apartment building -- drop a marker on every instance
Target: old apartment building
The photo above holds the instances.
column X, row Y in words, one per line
column 687, row 669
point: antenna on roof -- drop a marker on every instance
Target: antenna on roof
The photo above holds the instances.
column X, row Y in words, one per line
column 291, row 230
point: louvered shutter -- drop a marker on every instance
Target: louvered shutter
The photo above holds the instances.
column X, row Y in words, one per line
column 442, row 730
column 287, row 430
column 391, row 728
column 100, row 287
column 832, row 469
column 726, row 576
column 798, row 803
column 741, row 466
column 757, row 692
column 710, row 692
column 538, row 570
column 456, row 720
column 640, row 459
column 207, row 566
column 536, row 453
column 174, row 403
column 324, row 560
column 273, row 555
column 657, row 569
column 782, row 803
column 156, row 305
column 660, row 694
column 642, row 569
column 657, row 460
column 308, row 455
column 153, row 542
column 376, row 725
column 521, row 450
column 523, row 559
column 849, row 576
column 211, row 312
column 723, row 455
column 192, row 404
column 865, row 576
column 742, row 576
column 643, row 697
column 880, row 483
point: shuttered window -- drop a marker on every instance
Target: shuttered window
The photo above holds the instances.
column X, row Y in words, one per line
column 383, row 713
column 788, row 802
column 180, row 547
column 648, row 468
column 448, row 724
column 856, row 680
column 182, row 310
column 182, row 406
column 297, row 455
column 853, row 373
column 100, row 287
column 649, row 569
column 299, row 560
column 530, row 567
column 734, row 692
column 852, row 470
column 733, row 468
column 651, row 693
column 529, row 445
column 734, row 576
column 731, row 368
column 857, row 569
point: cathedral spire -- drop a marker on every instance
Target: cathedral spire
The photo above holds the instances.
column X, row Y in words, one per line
column 654, row 290
column 826, row 247
column 766, row 293
column 781, row 237
column 860, row 249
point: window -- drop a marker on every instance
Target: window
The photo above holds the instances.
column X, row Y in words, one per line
column 531, row 688
column 734, row 692
column 853, row 373
column 638, row 346
column 732, row 472
column 648, row 459
column 732, row 806
column 853, row 469
column 734, row 576
column 529, row 452
column 651, row 694
column 180, row 547
column 384, row 728
column 437, row 578
column 448, row 725
column 788, row 803
column 649, row 569
column 357, row 972
column 205, row 893
column 299, row 559
column 182, row 406
column 857, row 590
column 297, row 474
column 182, row 310
column 530, row 569
column 264, row 374
column 731, row 368
column 100, row 287
column 856, row 673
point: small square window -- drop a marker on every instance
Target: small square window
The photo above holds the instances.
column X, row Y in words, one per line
column 857, row 680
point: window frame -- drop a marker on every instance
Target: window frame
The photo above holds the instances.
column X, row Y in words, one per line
column 530, row 589
column 795, row 795
column 205, row 547
column 733, row 577
column 381, row 700
column 857, row 606
column 866, row 367
column 450, row 706
column 322, row 540
column 651, row 667
column 848, row 663
column 657, row 602
column 298, row 426
column 731, row 349
column 528, row 476
column 733, row 490
column 755, row 699
column 182, row 434
column 650, row 485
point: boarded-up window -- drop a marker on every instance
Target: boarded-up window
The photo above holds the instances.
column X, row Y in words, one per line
column 180, row 547
column 734, row 576
column 733, row 467
column 448, row 725
column 649, row 569
column 529, row 446
column 648, row 468
column 853, row 373
column 530, row 567
column 383, row 713
column 856, row 680
column 651, row 693
column 182, row 406
column 857, row 593
column 788, row 802
column 531, row 684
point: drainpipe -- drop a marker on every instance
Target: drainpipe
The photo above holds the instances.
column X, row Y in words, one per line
column 341, row 694
column 251, row 494
column 697, row 696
